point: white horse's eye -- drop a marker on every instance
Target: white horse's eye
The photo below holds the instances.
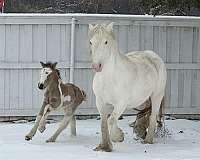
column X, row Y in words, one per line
column 106, row 42
column 46, row 72
column 90, row 43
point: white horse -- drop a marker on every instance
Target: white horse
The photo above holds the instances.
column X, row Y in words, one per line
column 123, row 81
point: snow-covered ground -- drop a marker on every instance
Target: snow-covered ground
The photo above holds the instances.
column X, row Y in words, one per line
column 182, row 144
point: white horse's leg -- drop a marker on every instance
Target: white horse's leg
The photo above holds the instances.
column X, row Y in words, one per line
column 73, row 125
column 65, row 121
column 156, row 101
column 116, row 133
column 105, row 144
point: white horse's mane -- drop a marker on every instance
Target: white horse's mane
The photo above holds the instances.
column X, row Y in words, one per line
column 101, row 30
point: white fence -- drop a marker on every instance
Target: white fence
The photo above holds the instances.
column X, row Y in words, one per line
column 26, row 39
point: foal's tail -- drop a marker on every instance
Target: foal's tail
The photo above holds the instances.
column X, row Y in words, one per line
column 84, row 95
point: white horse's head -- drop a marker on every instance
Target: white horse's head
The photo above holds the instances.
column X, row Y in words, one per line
column 101, row 38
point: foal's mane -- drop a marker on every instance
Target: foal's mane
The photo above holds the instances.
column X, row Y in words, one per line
column 58, row 72
column 51, row 65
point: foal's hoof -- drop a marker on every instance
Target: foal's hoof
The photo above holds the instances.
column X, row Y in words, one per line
column 28, row 138
column 148, row 140
column 42, row 129
column 104, row 147
column 117, row 136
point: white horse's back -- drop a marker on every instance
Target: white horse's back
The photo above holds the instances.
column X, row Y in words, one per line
column 152, row 59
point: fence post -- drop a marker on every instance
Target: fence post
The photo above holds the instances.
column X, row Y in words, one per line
column 71, row 72
column 72, row 42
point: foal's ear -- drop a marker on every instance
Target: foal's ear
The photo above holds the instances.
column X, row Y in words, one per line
column 109, row 27
column 54, row 65
column 42, row 64
column 91, row 27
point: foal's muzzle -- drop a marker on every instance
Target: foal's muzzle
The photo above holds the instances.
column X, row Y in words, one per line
column 40, row 86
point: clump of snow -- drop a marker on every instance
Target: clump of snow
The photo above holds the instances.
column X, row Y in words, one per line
column 182, row 144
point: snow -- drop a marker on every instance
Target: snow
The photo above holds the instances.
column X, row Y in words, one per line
column 183, row 143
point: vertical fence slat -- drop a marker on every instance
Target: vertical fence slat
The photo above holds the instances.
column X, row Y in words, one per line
column 12, row 43
column 2, row 87
column 173, row 44
column 65, row 36
column 123, row 39
column 159, row 43
column 25, row 54
column 133, row 38
column 146, row 37
column 53, row 43
column 2, row 42
column 14, row 87
column 39, row 43
column 27, row 75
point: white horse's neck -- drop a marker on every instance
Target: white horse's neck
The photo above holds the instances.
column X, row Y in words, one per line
column 115, row 56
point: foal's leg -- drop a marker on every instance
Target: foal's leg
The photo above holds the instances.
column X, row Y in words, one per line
column 105, row 144
column 64, row 123
column 116, row 133
column 42, row 123
column 37, row 121
column 156, row 101
column 73, row 125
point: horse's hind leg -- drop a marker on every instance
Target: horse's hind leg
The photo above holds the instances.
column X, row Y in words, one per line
column 64, row 123
column 69, row 114
column 156, row 101
column 73, row 125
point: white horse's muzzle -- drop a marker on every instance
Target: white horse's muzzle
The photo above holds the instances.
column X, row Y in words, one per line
column 97, row 67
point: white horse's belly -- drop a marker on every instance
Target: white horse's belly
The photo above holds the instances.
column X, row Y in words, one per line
column 121, row 93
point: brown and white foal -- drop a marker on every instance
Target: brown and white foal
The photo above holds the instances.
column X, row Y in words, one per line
column 57, row 95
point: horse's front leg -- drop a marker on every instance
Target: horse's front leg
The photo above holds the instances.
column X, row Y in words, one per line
column 42, row 123
column 105, row 144
column 32, row 132
column 116, row 133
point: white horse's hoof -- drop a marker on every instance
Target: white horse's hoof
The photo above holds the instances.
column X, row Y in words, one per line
column 104, row 147
column 50, row 140
column 117, row 135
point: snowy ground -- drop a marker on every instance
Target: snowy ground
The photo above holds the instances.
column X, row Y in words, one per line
column 182, row 144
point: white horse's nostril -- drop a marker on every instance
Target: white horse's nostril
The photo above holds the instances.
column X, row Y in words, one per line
column 97, row 67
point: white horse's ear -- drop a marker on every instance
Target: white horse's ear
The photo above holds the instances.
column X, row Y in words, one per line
column 109, row 27
column 91, row 27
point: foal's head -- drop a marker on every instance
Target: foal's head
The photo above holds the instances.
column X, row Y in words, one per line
column 101, row 39
column 48, row 74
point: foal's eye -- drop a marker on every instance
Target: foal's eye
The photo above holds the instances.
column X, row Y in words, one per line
column 90, row 43
column 106, row 42
column 46, row 72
